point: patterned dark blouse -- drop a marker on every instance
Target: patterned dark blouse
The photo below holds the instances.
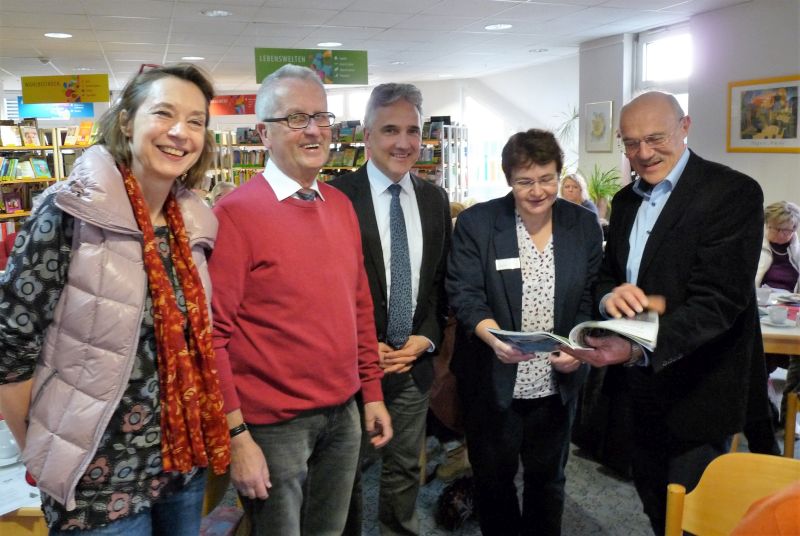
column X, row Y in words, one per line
column 125, row 476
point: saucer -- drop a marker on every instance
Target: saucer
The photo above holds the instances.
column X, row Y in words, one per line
column 786, row 324
column 10, row 461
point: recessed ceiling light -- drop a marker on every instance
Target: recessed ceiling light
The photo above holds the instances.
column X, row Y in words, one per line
column 193, row 58
column 537, row 50
column 58, row 35
column 492, row 27
column 83, row 69
column 397, row 62
column 216, row 13
column 328, row 44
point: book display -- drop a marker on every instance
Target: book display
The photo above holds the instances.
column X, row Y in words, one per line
column 27, row 166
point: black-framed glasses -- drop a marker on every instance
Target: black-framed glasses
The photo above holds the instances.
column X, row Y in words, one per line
column 300, row 120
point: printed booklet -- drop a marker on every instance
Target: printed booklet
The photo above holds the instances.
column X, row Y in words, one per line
column 642, row 329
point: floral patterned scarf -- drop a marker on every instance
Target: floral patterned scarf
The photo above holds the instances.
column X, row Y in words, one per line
column 194, row 430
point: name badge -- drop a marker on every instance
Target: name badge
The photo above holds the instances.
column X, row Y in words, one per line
column 507, row 264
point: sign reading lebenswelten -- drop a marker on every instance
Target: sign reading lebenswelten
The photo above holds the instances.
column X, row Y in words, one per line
column 332, row 66
column 69, row 88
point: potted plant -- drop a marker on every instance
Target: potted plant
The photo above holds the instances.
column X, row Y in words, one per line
column 602, row 185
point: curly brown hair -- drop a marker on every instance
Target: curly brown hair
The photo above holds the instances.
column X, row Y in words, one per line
column 109, row 126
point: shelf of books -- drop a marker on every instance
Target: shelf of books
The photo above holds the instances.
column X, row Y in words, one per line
column 27, row 156
column 454, row 142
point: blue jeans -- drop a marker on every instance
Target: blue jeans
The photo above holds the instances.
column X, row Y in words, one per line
column 312, row 461
column 176, row 515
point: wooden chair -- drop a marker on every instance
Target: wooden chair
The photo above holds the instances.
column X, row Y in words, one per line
column 789, row 428
column 729, row 485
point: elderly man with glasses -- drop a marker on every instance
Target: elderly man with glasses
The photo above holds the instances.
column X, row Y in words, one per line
column 689, row 230
column 293, row 326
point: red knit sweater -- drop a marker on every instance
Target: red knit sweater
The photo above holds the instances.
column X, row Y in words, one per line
column 293, row 324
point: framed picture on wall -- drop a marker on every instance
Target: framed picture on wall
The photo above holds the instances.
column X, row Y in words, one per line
column 599, row 127
column 762, row 115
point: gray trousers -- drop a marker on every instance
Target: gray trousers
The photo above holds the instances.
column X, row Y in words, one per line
column 400, row 469
column 312, row 461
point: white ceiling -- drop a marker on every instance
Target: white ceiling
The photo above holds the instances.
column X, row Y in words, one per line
column 406, row 40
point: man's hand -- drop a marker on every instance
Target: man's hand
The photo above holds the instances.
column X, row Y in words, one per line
column 400, row 360
column 628, row 300
column 378, row 423
column 604, row 351
column 564, row 362
column 625, row 300
column 249, row 471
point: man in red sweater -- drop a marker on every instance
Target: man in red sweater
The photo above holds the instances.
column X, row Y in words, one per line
column 293, row 324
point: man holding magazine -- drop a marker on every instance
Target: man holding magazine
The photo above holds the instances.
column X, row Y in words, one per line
column 689, row 230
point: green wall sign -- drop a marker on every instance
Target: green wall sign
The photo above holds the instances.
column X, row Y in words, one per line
column 332, row 66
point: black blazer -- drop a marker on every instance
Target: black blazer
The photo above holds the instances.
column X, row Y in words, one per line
column 431, row 312
column 487, row 232
column 702, row 256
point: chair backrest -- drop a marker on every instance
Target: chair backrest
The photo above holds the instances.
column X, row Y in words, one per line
column 791, row 424
column 729, row 485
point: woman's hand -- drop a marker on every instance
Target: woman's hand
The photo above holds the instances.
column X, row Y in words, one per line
column 508, row 354
column 563, row 362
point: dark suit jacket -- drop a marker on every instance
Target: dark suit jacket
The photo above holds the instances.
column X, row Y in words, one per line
column 477, row 290
column 702, row 256
column 431, row 312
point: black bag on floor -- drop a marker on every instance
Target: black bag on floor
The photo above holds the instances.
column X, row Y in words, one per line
column 456, row 504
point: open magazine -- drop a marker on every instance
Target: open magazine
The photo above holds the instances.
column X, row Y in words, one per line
column 642, row 329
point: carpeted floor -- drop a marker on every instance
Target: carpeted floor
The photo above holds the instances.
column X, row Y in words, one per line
column 598, row 503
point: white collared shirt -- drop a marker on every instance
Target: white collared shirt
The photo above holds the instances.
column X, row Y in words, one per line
column 381, row 202
column 283, row 185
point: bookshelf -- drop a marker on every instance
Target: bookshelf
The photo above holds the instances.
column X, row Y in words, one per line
column 455, row 179
column 26, row 170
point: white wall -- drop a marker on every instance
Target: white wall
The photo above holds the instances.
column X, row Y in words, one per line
column 605, row 75
column 759, row 39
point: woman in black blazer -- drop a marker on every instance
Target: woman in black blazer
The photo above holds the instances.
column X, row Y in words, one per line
column 524, row 262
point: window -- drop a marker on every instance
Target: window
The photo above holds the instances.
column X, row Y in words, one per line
column 664, row 62
column 664, row 59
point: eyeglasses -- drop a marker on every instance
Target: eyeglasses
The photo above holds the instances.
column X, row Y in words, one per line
column 527, row 184
column 784, row 231
column 148, row 66
column 654, row 141
column 300, row 120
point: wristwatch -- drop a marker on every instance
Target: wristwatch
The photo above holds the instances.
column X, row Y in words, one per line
column 637, row 353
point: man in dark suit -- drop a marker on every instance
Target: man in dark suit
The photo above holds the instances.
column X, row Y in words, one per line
column 689, row 230
column 405, row 230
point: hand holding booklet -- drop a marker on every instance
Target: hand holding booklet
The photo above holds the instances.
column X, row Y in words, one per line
column 642, row 329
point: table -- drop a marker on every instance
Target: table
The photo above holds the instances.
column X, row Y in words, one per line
column 781, row 340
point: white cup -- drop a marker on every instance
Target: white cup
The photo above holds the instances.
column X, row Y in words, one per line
column 763, row 294
column 8, row 446
column 777, row 314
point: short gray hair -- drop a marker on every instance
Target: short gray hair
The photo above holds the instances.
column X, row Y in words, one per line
column 782, row 212
column 266, row 103
column 387, row 94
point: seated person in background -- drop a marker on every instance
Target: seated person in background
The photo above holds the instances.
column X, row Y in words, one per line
column 778, row 268
column 574, row 190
